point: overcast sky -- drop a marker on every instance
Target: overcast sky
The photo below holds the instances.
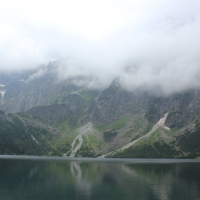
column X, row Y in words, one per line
column 153, row 44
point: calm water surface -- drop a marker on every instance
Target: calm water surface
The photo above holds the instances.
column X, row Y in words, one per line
column 42, row 178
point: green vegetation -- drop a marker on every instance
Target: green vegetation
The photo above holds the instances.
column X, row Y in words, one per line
column 93, row 141
column 86, row 149
column 63, row 127
column 58, row 101
column 109, row 135
column 119, row 123
column 66, row 127
column 151, row 147
column 157, row 150
column 50, row 130
column 23, row 138
column 63, row 143
column 90, row 143
column 139, row 125
column 86, row 96
column 189, row 142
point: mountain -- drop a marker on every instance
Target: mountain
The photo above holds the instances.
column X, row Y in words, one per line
column 18, row 136
column 60, row 117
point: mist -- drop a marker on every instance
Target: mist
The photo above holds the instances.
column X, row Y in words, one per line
column 152, row 45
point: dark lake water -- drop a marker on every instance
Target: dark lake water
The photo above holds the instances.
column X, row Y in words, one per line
column 42, row 178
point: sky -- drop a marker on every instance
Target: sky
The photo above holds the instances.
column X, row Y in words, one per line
column 149, row 44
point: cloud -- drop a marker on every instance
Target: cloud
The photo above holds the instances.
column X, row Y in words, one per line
column 39, row 73
column 152, row 45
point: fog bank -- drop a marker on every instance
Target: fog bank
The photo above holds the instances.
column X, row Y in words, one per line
column 152, row 45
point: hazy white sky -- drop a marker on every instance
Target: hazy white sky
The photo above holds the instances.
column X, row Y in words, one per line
column 146, row 43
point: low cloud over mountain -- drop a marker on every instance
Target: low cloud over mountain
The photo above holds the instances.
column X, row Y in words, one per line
column 152, row 45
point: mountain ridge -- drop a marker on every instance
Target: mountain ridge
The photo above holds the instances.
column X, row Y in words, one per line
column 118, row 116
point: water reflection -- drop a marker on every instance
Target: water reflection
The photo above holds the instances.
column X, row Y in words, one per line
column 61, row 179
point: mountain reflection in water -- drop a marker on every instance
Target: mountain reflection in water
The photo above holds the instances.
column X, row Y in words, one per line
column 92, row 179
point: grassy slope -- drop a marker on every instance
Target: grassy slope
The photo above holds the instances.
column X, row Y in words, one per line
column 189, row 141
column 159, row 144
column 20, row 137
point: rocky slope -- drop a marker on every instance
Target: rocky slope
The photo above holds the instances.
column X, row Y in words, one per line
column 61, row 110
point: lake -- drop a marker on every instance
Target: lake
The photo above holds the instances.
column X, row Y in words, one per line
column 54, row 178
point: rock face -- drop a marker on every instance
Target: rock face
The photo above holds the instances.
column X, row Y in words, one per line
column 118, row 116
column 24, row 92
